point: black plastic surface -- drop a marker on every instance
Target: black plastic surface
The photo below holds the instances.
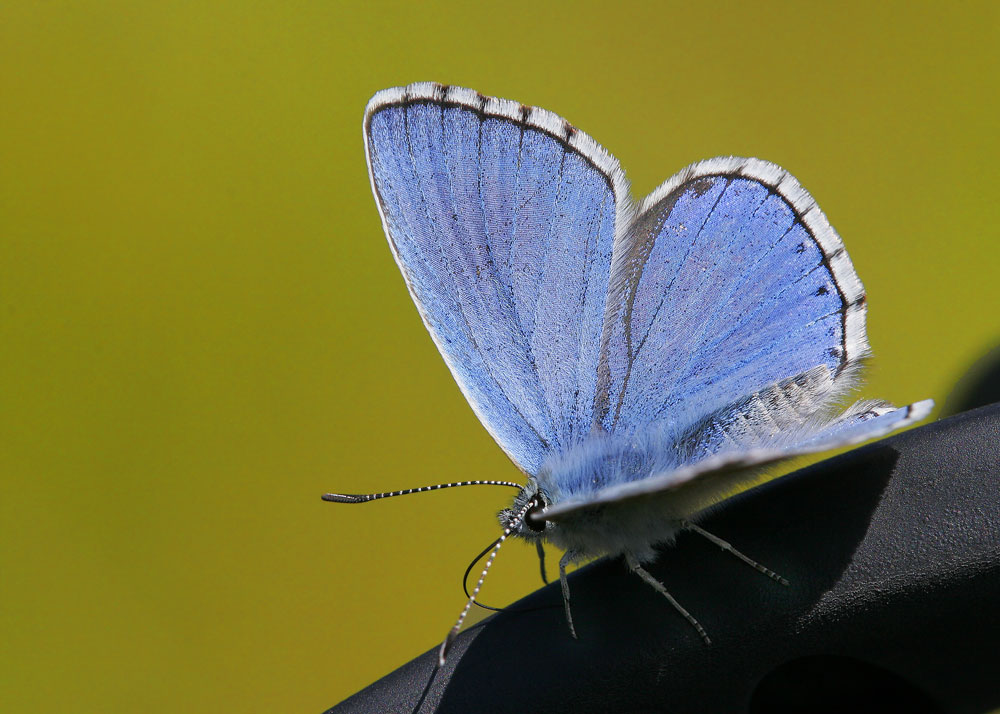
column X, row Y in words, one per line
column 893, row 553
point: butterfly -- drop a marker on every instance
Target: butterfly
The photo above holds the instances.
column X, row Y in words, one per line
column 637, row 362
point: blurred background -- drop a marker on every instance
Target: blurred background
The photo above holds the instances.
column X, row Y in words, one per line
column 202, row 328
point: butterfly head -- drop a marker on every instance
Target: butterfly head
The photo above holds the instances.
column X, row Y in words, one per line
column 530, row 501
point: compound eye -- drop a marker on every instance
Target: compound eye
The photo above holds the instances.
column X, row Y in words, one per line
column 533, row 519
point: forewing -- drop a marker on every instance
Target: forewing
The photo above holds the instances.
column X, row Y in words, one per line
column 729, row 280
column 501, row 218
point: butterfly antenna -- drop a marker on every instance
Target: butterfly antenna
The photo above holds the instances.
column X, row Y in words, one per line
column 366, row 497
column 446, row 645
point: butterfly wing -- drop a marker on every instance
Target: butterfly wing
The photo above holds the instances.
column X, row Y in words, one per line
column 748, row 455
column 501, row 218
column 735, row 321
column 729, row 280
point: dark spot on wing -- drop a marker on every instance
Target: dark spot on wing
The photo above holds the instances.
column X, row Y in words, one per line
column 568, row 131
column 800, row 248
column 822, row 290
column 700, row 187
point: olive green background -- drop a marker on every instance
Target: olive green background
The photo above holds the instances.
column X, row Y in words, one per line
column 202, row 328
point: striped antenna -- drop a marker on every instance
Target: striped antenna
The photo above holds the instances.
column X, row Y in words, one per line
column 366, row 497
column 446, row 645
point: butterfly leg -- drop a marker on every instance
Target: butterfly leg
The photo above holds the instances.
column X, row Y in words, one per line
column 727, row 547
column 567, row 558
column 541, row 560
column 636, row 568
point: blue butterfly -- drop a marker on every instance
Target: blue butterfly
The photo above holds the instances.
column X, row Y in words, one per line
column 636, row 362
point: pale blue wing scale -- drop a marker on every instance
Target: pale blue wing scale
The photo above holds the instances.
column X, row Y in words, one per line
column 730, row 280
column 863, row 422
column 501, row 218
